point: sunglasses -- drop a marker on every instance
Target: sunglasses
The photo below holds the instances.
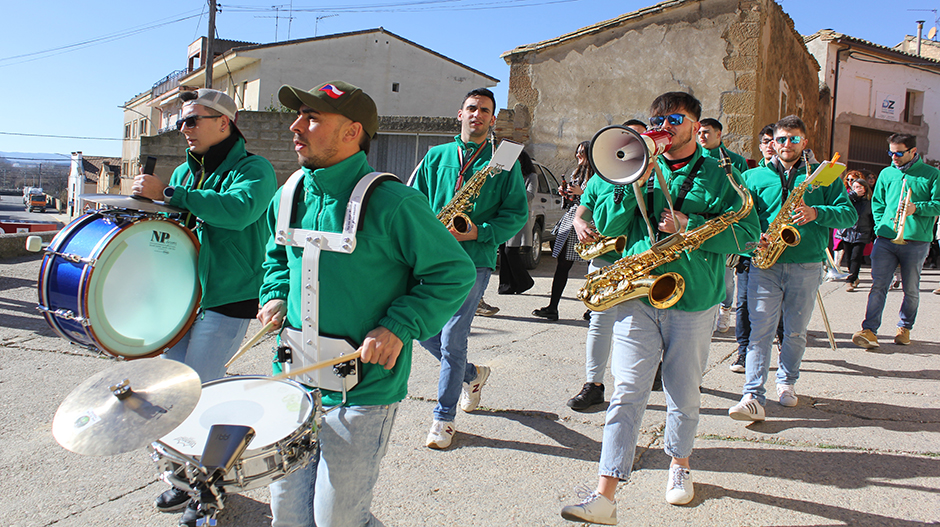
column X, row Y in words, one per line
column 674, row 119
column 898, row 154
column 793, row 139
column 192, row 120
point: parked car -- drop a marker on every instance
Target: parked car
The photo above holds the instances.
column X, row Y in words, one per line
column 546, row 209
column 36, row 202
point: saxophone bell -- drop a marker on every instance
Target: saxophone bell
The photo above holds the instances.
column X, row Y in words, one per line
column 662, row 291
column 604, row 245
column 461, row 223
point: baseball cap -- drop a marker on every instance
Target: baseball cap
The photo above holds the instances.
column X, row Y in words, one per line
column 213, row 99
column 335, row 97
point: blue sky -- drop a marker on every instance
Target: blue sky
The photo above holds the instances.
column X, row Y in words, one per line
column 134, row 44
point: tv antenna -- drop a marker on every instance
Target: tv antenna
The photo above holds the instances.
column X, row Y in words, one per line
column 932, row 34
column 317, row 25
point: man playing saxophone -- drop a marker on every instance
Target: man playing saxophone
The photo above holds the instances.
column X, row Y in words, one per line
column 909, row 171
column 678, row 336
column 498, row 212
column 789, row 280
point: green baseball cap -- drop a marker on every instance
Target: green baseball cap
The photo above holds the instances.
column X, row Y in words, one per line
column 335, row 97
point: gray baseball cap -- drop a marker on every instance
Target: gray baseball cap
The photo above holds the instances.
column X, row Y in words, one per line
column 213, row 99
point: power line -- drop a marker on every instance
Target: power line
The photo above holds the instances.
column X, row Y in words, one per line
column 410, row 7
column 63, row 136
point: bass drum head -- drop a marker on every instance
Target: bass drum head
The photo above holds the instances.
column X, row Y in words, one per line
column 143, row 292
column 274, row 409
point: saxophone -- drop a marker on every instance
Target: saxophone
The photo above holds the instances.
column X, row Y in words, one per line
column 602, row 245
column 781, row 234
column 453, row 214
column 631, row 277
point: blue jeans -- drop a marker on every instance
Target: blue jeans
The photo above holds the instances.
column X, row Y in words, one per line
column 742, row 321
column 450, row 347
column 789, row 288
column 599, row 336
column 642, row 336
column 885, row 257
column 728, row 302
column 212, row 340
column 335, row 489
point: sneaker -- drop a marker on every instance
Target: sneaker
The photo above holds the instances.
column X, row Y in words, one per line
column 546, row 312
column 441, row 435
column 786, row 394
column 587, row 315
column 589, row 395
column 903, row 337
column 172, row 500
column 192, row 514
column 594, row 508
column 747, row 410
column 724, row 319
column 486, row 310
column 679, row 489
column 865, row 339
column 851, row 286
column 470, row 392
column 740, row 364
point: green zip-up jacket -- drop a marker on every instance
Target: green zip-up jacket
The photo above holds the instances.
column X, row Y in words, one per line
column 710, row 196
column 596, row 191
column 831, row 203
column 924, row 182
column 230, row 202
column 407, row 273
column 499, row 211
column 737, row 160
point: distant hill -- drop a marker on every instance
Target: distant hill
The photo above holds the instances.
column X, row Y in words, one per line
column 33, row 158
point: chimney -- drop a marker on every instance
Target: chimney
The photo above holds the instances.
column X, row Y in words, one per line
column 920, row 31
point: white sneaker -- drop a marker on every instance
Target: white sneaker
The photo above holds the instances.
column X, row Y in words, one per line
column 679, row 489
column 470, row 392
column 594, row 508
column 441, row 435
column 747, row 410
column 724, row 319
column 787, row 395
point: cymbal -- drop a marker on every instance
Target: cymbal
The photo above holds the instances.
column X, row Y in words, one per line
column 94, row 421
column 130, row 202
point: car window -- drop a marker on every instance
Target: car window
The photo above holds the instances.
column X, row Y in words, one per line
column 552, row 182
column 543, row 184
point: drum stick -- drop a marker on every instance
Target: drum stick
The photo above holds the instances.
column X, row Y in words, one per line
column 254, row 340
column 322, row 364
column 822, row 311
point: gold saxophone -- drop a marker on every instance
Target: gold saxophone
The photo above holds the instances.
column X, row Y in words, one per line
column 631, row 277
column 452, row 215
column 782, row 234
column 603, row 245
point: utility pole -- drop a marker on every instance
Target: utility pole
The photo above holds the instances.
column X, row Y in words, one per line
column 210, row 40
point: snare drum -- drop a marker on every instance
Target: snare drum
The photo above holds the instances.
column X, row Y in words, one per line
column 283, row 414
column 123, row 282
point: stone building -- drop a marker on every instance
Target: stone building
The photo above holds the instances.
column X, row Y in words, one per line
column 742, row 59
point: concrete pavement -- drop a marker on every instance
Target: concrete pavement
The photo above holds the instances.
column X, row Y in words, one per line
column 861, row 448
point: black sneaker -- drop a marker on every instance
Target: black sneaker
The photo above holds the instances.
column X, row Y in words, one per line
column 192, row 514
column 546, row 312
column 740, row 363
column 589, row 395
column 172, row 500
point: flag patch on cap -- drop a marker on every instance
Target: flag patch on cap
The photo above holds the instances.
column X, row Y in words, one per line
column 333, row 91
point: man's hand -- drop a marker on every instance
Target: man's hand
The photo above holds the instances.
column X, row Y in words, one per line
column 803, row 214
column 911, row 208
column 472, row 235
column 381, row 346
column 148, row 186
column 764, row 242
column 274, row 311
column 667, row 222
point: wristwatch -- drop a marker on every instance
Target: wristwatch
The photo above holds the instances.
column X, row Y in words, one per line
column 167, row 194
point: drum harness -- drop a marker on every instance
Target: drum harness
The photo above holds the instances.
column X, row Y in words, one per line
column 307, row 346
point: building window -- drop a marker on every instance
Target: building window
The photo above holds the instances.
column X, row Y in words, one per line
column 395, row 87
column 143, row 127
column 127, row 130
column 914, row 107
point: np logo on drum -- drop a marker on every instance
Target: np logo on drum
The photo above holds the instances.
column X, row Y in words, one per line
column 159, row 237
column 160, row 242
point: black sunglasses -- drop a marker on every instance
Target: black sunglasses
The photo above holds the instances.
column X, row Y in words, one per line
column 192, row 120
column 674, row 119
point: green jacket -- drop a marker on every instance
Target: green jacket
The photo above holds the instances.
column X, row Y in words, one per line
column 831, row 203
column 737, row 160
column 500, row 210
column 406, row 274
column 924, row 182
column 230, row 202
column 711, row 195
column 598, row 191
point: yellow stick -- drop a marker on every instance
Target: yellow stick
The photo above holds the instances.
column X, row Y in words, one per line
column 254, row 340
column 322, row 364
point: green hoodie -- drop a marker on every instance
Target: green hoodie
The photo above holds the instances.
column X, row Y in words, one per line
column 710, row 195
column 499, row 212
column 598, row 191
column 924, row 182
column 230, row 202
column 831, row 203
column 406, row 274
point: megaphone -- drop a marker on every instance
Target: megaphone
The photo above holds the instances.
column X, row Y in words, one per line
column 620, row 155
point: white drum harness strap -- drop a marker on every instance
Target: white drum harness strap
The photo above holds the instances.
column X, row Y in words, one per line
column 304, row 347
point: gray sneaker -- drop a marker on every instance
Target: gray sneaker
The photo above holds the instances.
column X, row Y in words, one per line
column 786, row 394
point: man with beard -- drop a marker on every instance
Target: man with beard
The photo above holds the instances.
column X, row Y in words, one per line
column 923, row 182
column 789, row 286
column 400, row 278
column 679, row 336
column 500, row 210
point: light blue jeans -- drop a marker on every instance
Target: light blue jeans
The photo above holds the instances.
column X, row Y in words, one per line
column 599, row 336
column 885, row 257
column 450, row 347
column 642, row 336
column 212, row 340
column 728, row 302
column 789, row 288
column 335, row 489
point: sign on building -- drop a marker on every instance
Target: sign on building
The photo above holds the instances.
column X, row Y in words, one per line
column 888, row 107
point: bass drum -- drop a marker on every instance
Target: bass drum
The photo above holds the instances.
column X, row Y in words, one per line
column 121, row 282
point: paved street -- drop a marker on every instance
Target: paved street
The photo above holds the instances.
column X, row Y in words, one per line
column 861, row 448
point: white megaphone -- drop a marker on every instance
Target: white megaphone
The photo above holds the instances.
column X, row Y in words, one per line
column 620, row 155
